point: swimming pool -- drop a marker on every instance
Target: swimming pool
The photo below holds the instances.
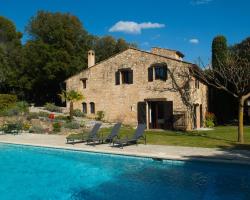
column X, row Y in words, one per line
column 44, row 173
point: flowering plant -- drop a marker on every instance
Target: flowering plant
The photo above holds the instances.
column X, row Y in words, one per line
column 210, row 119
column 51, row 116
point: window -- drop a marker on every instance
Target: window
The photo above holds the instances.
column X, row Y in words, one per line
column 84, row 84
column 126, row 76
column 161, row 73
column 157, row 72
column 84, row 107
column 117, row 78
column 197, row 84
column 92, row 107
column 150, row 74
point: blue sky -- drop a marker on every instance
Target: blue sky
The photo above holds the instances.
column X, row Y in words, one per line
column 185, row 25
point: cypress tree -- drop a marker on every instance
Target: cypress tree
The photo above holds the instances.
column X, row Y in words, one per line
column 222, row 104
column 219, row 51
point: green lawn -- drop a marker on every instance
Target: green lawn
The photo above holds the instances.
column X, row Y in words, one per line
column 222, row 137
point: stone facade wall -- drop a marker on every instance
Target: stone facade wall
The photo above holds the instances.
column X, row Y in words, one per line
column 200, row 99
column 119, row 102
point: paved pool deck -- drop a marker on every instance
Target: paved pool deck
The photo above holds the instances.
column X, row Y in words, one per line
column 153, row 151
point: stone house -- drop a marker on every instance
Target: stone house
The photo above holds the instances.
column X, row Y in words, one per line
column 134, row 86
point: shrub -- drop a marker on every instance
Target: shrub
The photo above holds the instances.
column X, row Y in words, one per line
column 37, row 129
column 52, row 107
column 72, row 125
column 82, row 124
column 57, row 127
column 209, row 124
column 32, row 115
column 26, row 126
column 3, row 113
column 100, row 115
column 12, row 127
column 9, row 112
column 43, row 114
column 22, row 106
column 210, row 120
column 62, row 117
column 7, row 101
column 78, row 113
column 1, row 127
column 13, row 111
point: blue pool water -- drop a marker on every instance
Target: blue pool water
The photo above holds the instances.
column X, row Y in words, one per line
column 43, row 173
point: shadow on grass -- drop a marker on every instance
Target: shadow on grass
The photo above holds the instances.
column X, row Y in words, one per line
column 235, row 146
column 216, row 138
column 191, row 134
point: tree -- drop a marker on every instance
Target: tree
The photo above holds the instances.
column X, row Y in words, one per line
column 233, row 77
column 71, row 96
column 221, row 103
column 8, row 33
column 57, row 49
column 243, row 48
column 219, row 50
column 107, row 46
column 121, row 45
column 104, row 47
column 10, row 55
column 3, row 69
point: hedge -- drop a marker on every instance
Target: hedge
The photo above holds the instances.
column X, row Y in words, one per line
column 7, row 100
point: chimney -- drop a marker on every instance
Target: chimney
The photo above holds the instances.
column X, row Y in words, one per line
column 91, row 58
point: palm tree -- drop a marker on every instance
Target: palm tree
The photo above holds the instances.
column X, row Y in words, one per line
column 71, row 96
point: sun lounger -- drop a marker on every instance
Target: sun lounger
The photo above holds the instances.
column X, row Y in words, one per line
column 139, row 134
column 84, row 138
column 101, row 139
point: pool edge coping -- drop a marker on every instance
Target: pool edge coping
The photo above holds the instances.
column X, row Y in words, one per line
column 140, row 155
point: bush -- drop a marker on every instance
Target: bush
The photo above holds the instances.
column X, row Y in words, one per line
column 1, row 127
column 26, row 126
column 9, row 112
column 22, row 106
column 12, row 127
column 7, row 101
column 82, row 124
column 13, row 111
column 43, row 114
column 78, row 113
column 57, row 127
column 62, row 117
column 32, row 115
column 52, row 107
column 210, row 120
column 100, row 115
column 72, row 125
column 37, row 129
column 209, row 124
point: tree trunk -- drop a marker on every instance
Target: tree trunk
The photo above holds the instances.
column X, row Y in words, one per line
column 242, row 100
column 71, row 108
column 240, row 121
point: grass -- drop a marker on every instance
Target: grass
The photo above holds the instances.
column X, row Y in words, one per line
column 220, row 137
